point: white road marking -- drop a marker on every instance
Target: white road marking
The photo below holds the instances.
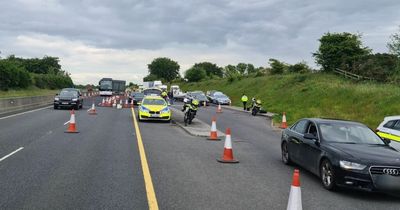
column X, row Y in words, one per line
column 5, row 157
column 1, row 118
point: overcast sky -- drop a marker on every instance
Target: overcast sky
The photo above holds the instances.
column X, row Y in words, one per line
column 99, row 38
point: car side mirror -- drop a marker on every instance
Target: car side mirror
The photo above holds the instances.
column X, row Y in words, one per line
column 387, row 141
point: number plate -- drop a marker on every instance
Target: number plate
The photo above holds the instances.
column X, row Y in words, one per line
column 64, row 102
column 155, row 115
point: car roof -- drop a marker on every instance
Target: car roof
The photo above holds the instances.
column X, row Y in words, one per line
column 395, row 117
column 70, row 89
column 153, row 97
column 330, row 120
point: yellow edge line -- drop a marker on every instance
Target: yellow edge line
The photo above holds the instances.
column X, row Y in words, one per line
column 151, row 195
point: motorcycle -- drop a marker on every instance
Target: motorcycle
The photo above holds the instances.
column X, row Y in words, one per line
column 256, row 108
column 190, row 112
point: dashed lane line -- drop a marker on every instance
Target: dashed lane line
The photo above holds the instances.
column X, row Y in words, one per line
column 5, row 157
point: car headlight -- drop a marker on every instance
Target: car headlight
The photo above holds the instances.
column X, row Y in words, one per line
column 144, row 109
column 74, row 99
column 351, row 165
column 165, row 110
column 56, row 99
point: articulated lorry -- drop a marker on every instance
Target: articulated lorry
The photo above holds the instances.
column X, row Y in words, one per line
column 108, row 87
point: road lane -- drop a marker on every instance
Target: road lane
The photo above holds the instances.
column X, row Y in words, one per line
column 265, row 152
column 99, row 168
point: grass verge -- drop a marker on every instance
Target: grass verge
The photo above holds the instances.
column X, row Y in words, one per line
column 312, row 95
column 31, row 91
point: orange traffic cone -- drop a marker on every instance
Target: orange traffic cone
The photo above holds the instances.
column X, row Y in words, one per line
column 284, row 124
column 72, row 125
column 204, row 103
column 294, row 202
column 132, row 103
column 214, row 133
column 227, row 157
column 219, row 109
column 103, row 102
column 92, row 110
column 126, row 105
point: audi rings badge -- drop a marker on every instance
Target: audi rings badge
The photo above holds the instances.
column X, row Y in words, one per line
column 391, row 171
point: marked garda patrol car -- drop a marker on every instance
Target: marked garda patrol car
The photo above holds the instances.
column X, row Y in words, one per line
column 154, row 108
column 390, row 128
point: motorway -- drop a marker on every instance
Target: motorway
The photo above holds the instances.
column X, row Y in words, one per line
column 102, row 168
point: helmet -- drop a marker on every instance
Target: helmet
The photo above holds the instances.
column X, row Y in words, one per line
column 195, row 102
column 185, row 100
column 258, row 101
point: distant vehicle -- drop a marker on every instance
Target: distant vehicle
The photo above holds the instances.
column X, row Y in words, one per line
column 220, row 98
column 211, row 95
column 152, row 91
column 342, row 153
column 390, row 128
column 137, row 97
column 152, row 84
column 108, row 86
column 105, row 87
column 199, row 96
column 154, row 108
column 177, row 93
column 118, row 86
column 69, row 97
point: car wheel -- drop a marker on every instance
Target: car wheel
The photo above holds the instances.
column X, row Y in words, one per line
column 285, row 154
column 327, row 175
column 76, row 107
column 55, row 107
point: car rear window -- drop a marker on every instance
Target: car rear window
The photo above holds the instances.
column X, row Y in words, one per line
column 390, row 124
column 397, row 125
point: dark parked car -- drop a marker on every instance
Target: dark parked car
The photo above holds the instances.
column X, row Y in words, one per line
column 342, row 153
column 199, row 95
column 136, row 97
column 68, row 97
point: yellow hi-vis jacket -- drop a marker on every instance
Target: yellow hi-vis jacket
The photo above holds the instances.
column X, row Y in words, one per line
column 244, row 98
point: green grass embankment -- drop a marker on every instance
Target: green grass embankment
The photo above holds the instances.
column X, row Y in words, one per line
column 31, row 91
column 312, row 95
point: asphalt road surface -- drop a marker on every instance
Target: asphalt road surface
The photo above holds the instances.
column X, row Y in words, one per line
column 102, row 167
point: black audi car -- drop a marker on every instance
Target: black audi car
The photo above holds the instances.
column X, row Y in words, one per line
column 70, row 98
column 342, row 153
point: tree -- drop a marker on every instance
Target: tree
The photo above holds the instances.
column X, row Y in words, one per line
column 195, row 74
column 339, row 49
column 164, row 68
column 381, row 67
column 241, row 68
column 250, row 69
column 277, row 67
column 150, row 77
column 300, row 67
column 210, row 68
column 394, row 44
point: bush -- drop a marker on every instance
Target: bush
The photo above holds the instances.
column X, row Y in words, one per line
column 52, row 81
column 13, row 76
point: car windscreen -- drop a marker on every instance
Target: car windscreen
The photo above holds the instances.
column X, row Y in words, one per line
column 148, row 101
column 105, row 85
column 68, row 93
column 221, row 96
column 348, row 133
column 199, row 96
